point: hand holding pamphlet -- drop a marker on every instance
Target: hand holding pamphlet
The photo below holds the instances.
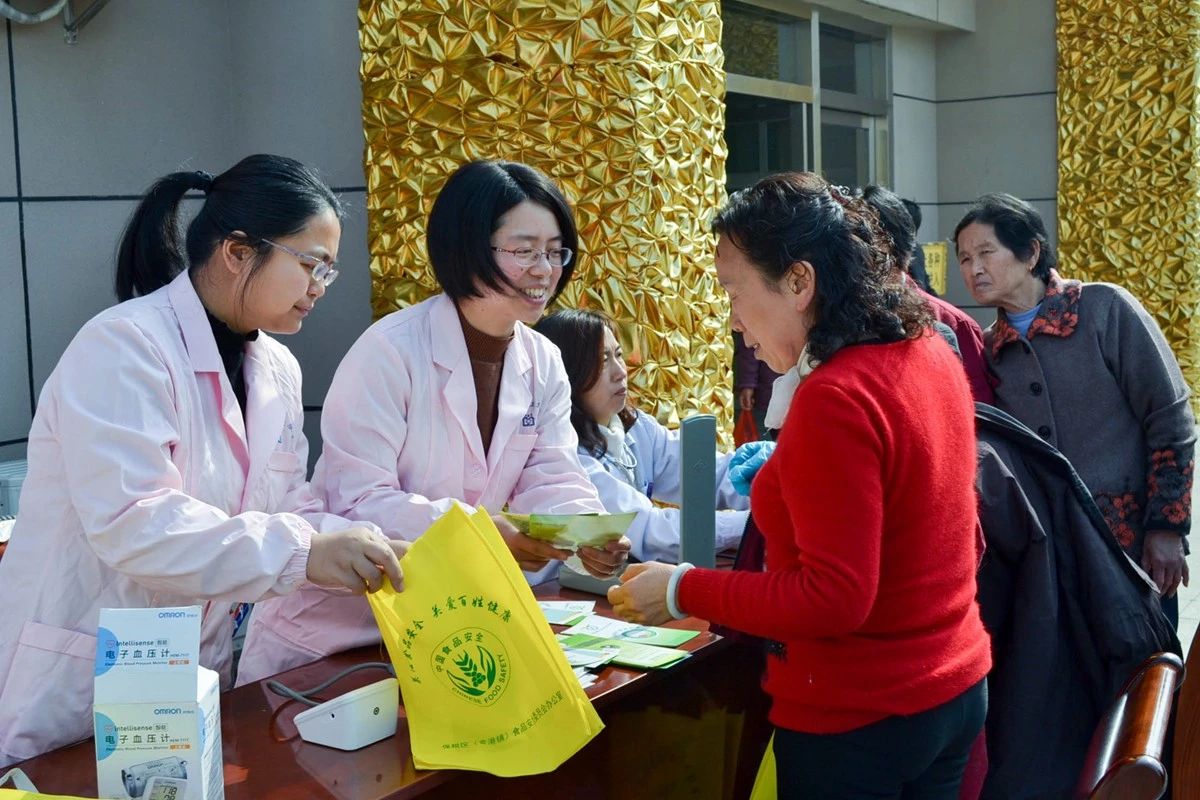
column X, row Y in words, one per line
column 573, row 531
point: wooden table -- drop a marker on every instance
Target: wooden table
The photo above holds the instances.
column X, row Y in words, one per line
column 695, row 730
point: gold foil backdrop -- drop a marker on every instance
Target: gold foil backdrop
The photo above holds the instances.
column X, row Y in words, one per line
column 621, row 102
column 1129, row 133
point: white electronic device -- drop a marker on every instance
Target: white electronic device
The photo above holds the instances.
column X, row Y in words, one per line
column 355, row 719
column 137, row 776
column 161, row 787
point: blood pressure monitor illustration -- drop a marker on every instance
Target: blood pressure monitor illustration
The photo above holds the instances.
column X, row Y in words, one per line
column 156, row 775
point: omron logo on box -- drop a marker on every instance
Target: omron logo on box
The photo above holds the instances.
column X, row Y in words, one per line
column 171, row 614
column 159, row 711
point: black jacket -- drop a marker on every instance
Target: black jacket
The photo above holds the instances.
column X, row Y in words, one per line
column 1071, row 616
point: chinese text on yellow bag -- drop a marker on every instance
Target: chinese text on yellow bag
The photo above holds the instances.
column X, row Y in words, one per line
column 485, row 685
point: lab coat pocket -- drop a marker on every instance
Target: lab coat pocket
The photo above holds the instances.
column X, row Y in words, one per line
column 283, row 467
column 46, row 700
column 512, row 461
column 283, row 461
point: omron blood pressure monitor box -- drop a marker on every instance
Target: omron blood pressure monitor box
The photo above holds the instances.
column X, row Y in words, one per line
column 157, row 711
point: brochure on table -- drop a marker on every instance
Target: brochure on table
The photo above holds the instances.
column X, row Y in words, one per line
column 566, row 612
column 607, row 627
column 157, row 711
column 622, row 652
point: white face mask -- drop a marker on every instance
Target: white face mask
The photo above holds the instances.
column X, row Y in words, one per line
column 784, row 387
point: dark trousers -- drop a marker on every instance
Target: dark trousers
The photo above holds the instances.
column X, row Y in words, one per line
column 920, row 757
column 1170, row 607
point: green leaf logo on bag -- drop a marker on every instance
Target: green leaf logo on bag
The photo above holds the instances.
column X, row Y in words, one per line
column 473, row 664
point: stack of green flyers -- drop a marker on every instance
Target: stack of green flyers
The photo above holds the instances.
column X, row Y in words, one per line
column 628, row 654
column 609, row 628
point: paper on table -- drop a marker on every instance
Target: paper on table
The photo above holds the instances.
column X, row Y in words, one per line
column 566, row 612
column 606, row 627
column 587, row 657
column 629, row 654
column 573, row 530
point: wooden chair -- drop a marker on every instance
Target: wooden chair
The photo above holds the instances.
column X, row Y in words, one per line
column 1125, row 759
column 1185, row 763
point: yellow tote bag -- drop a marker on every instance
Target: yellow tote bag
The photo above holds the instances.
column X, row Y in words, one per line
column 486, row 686
column 765, row 787
column 25, row 790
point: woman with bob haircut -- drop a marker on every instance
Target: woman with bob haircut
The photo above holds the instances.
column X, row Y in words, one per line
column 1086, row 367
column 167, row 459
column 627, row 454
column 877, row 654
column 453, row 400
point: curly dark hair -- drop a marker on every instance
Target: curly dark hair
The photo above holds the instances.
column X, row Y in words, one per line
column 799, row 216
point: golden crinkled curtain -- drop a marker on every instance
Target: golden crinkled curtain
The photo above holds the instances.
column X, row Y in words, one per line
column 619, row 101
column 1128, row 147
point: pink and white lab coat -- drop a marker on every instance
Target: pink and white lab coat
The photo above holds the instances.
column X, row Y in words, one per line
column 656, row 473
column 145, row 490
column 401, row 445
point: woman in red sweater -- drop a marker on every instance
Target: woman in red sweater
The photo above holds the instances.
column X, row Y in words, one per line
column 877, row 658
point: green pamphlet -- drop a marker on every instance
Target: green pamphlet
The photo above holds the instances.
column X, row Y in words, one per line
column 628, row 654
column 566, row 612
column 609, row 628
column 573, row 530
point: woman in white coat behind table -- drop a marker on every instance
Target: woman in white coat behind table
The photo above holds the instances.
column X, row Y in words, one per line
column 628, row 455
column 451, row 400
column 167, row 463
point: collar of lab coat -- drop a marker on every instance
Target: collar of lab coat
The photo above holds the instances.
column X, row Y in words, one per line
column 193, row 321
column 449, row 350
column 202, row 352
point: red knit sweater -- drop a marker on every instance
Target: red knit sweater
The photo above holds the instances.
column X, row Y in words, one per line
column 868, row 510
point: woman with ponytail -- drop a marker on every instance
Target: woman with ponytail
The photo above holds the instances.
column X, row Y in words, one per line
column 166, row 458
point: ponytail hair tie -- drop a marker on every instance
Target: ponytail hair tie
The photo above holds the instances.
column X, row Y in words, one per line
column 202, row 181
column 840, row 194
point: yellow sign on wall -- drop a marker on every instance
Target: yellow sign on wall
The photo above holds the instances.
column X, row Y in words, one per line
column 937, row 256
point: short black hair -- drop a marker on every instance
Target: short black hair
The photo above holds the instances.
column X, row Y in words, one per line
column 467, row 212
column 1017, row 225
column 896, row 221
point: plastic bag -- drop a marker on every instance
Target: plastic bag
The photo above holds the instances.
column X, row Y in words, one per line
column 765, row 787
column 486, row 686
column 25, row 790
column 745, row 429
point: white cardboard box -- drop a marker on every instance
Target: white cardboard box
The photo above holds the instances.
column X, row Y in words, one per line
column 12, row 476
column 157, row 711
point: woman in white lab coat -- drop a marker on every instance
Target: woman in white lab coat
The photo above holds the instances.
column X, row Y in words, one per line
column 628, row 455
column 167, row 463
column 452, row 400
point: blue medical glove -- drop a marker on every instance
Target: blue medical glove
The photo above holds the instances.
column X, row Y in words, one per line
column 746, row 462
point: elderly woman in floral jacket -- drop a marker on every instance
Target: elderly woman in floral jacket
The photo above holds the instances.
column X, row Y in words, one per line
column 1086, row 367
